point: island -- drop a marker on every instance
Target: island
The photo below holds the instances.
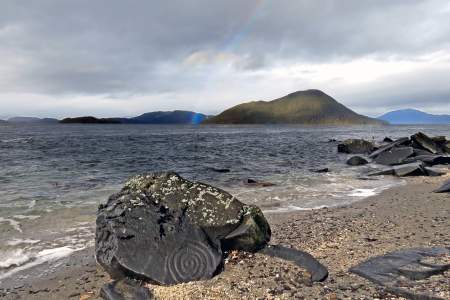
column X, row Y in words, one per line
column 312, row 107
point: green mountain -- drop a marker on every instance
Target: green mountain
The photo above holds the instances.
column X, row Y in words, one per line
column 304, row 107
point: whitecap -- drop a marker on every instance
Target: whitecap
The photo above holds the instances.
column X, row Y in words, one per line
column 47, row 255
column 362, row 193
column 15, row 242
column 13, row 258
column 13, row 223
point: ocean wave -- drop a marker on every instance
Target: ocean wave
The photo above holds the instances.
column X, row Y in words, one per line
column 18, row 260
column 13, row 223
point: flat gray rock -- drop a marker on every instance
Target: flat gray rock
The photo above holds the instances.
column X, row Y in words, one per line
column 430, row 160
column 399, row 142
column 413, row 169
column 445, row 188
column 394, row 156
column 392, row 269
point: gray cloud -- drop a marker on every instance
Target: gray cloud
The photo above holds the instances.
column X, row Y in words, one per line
column 121, row 49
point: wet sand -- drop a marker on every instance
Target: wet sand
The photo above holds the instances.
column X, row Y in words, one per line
column 402, row 217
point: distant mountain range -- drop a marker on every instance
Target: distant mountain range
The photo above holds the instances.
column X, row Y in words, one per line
column 32, row 120
column 304, row 107
column 159, row 117
column 413, row 116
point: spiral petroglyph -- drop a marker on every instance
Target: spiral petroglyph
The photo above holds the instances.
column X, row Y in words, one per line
column 192, row 261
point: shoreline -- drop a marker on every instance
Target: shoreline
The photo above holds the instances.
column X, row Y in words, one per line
column 339, row 237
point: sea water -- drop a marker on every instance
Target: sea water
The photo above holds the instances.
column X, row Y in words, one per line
column 52, row 177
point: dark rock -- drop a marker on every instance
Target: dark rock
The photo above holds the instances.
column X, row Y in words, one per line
column 357, row 161
column 421, row 152
column 445, row 188
column 220, row 170
column 356, row 146
column 332, row 141
column 430, row 160
column 440, row 140
column 394, row 156
column 252, row 182
column 251, row 235
column 425, row 142
column 323, row 170
column 125, row 290
column 316, row 269
column 434, row 172
column 164, row 229
column 389, row 171
column 413, row 169
column 402, row 267
column 400, row 142
column 446, row 147
column 387, row 140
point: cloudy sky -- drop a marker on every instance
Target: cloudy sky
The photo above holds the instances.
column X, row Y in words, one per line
column 121, row 58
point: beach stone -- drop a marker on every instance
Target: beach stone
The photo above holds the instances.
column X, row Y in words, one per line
column 413, row 169
column 434, row 172
column 426, row 142
column 389, row 171
column 356, row 146
column 392, row 269
column 253, row 182
column 322, row 170
column 394, row 156
column 405, row 141
column 125, row 290
column 164, row 229
column 440, row 140
column 430, row 160
column 421, row 152
column 445, row 188
column 305, row 260
column 357, row 161
column 446, row 147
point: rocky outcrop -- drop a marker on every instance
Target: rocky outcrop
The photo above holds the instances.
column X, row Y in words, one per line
column 164, row 229
column 409, row 156
column 357, row 161
column 356, row 146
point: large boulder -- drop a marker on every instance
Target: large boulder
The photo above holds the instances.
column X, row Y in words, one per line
column 394, row 156
column 356, row 146
column 357, row 161
column 164, row 229
column 425, row 142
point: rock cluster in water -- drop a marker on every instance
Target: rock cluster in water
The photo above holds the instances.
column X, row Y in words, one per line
column 163, row 229
column 408, row 156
